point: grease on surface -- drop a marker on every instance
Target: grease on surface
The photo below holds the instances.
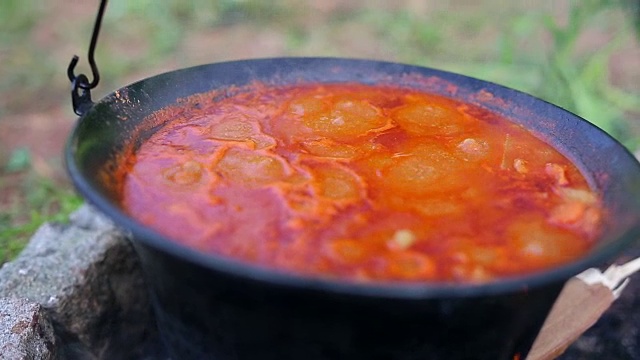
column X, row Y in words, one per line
column 361, row 183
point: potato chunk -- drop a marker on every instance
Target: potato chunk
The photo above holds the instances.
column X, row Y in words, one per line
column 348, row 251
column 423, row 170
column 249, row 168
column 336, row 183
column 186, row 173
column 233, row 127
column 430, row 119
column 542, row 244
column 410, row 265
column 309, row 105
column 346, row 119
column 329, row 149
column 473, row 149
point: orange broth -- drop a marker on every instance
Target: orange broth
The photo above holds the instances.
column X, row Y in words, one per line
column 364, row 183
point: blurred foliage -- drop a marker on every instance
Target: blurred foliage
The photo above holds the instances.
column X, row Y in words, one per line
column 19, row 160
column 533, row 53
column 633, row 7
column 17, row 17
column 165, row 27
column 44, row 201
column 21, row 66
column 581, row 84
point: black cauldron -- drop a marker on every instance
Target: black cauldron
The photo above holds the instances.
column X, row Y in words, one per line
column 213, row 307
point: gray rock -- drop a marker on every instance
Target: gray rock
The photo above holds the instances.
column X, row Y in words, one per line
column 88, row 280
column 26, row 332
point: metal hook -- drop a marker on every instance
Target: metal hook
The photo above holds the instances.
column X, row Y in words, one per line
column 81, row 81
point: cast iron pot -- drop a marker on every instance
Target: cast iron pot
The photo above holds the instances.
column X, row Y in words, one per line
column 208, row 306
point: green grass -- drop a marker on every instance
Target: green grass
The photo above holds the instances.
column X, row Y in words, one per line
column 527, row 49
column 39, row 200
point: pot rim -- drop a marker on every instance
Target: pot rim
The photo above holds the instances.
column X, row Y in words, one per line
column 395, row 290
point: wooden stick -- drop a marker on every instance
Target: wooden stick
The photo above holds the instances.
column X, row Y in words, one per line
column 578, row 307
column 581, row 303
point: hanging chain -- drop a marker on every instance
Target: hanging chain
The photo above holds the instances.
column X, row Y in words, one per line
column 80, row 85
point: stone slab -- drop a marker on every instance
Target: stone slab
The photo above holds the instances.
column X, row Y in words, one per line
column 88, row 280
column 26, row 333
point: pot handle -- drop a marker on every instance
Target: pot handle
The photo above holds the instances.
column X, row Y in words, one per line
column 580, row 304
column 80, row 85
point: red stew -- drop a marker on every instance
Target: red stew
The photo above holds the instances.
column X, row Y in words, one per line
column 361, row 183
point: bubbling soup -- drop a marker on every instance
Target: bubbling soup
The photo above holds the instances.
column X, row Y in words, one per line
column 361, row 183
